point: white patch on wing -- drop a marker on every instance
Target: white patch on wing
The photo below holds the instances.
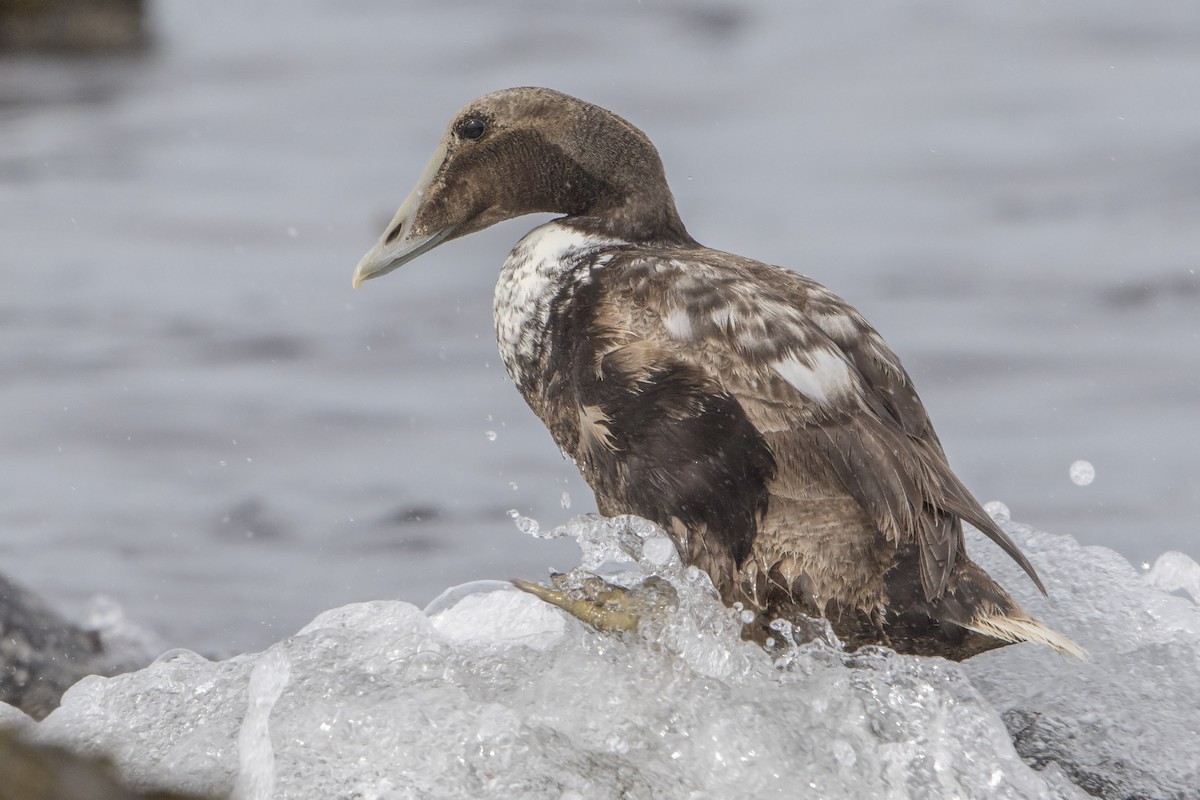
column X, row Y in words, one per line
column 837, row 326
column 824, row 377
column 679, row 325
column 724, row 317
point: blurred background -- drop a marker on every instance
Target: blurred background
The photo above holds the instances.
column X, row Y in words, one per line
column 201, row 420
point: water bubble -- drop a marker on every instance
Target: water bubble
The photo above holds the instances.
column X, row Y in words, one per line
column 490, row 435
column 658, row 552
column 997, row 511
column 785, row 631
column 180, row 654
column 1082, row 473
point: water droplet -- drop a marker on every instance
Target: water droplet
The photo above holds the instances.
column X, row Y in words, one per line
column 657, row 552
column 1082, row 472
column 998, row 511
column 748, row 616
column 490, row 435
column 527, row 525
column 513, row 485
column 565, row 500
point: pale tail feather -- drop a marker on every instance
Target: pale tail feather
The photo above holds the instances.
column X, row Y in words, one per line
column 1016, row 629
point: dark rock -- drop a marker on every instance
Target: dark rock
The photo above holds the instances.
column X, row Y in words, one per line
column 40, row 772
column 73, row 26
column 1044, row 739
column 41, row 653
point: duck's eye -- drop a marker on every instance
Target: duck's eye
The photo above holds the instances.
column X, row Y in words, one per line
column 472, row 128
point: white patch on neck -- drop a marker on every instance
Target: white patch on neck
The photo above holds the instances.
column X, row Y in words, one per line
column 549, row 258
column 826, row 375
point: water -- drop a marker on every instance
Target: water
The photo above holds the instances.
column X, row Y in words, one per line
column 203, row 421
column 491, row 693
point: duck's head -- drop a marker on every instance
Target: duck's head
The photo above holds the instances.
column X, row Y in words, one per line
column 527, row 150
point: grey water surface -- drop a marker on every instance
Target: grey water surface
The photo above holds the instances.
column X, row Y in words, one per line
column 201, row 419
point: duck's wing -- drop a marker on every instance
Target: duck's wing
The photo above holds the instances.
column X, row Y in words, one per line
column 734, row 349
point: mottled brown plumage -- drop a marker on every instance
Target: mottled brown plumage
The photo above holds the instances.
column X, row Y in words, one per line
column 749, row 411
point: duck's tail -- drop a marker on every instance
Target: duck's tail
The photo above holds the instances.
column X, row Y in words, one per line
column 977, row 603
column 972, row 616
column 1020, row 627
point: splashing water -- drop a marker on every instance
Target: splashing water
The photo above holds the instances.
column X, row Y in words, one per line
column 998, row 511
column 256, row 756
column 1082, row 473
column 491, row 693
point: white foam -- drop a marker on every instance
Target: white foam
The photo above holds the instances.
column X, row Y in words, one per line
column 495, row 694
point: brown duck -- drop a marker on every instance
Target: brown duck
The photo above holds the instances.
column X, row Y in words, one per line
column 753, row 414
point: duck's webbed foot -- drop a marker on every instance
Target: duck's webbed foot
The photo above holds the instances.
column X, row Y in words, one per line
column 602, row 605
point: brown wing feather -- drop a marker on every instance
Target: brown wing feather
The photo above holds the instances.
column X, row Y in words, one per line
column 740, row 320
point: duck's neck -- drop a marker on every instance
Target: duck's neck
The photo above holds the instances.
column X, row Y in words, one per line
column 644, row 217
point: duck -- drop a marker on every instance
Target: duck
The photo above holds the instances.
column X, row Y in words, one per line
column 750, row 412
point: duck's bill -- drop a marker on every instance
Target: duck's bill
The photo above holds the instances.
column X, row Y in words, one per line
column 384, row 258
column 399, row 245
